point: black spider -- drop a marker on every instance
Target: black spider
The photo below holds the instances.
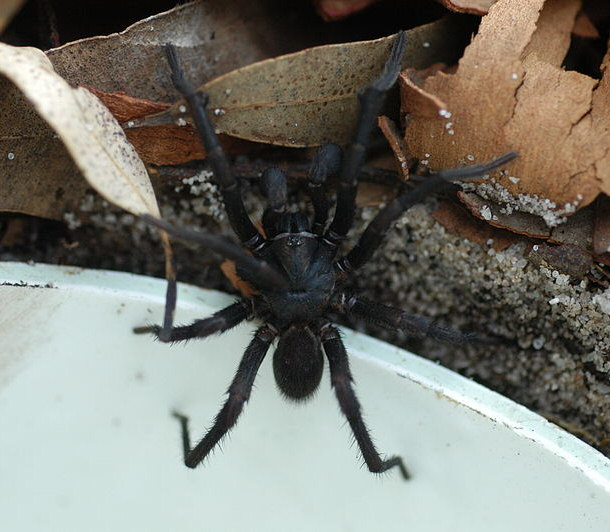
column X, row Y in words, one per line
column 297, row 272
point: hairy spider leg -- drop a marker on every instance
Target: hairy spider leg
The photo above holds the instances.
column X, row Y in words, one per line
column 341, row 381
column 266, row 276
column 239, row 393
column 171, row 295
column 274, row 188
column 371, row 101
column 229, row 186
column 273, row 185
column 326, row 162
column 219, row 322
column 372, row 236
column 412, row 324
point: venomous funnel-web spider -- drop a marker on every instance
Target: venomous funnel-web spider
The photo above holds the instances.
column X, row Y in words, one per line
column 298, row 272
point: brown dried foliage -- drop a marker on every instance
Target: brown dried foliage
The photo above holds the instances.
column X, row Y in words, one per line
column 510, row 93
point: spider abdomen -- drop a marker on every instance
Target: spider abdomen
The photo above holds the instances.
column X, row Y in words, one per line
column 298, row 362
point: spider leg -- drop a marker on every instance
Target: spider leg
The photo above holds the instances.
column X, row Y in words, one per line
column 326, row 162
column 239, row 393
column 219, row 322
column 266, row 276
column 273, row 187
column 273, row 183
column 371, row 237
column 341, row 381
column 371, row 102
column 414, row 325
column 229, row 186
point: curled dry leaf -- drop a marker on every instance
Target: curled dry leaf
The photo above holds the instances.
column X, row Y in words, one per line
column 128, row 70
column 160, row 145
column 510, row 93
column 454, row 218
column 125, row 107
column 521, row 223
column 565, row 258
column 309, row 97
column 577, row 230
column 213, row 37
column 584, row 27
column 36, row 172
column 169, row 144
column 87, row 130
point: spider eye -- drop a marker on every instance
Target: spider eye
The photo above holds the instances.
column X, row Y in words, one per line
column 294, row 241
column 298, row 363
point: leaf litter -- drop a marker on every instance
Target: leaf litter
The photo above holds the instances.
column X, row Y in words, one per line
column 89, row 133
column 510, row 92
column 87, row 130
column 214, row 38
column 557, row 120
column 308, row 98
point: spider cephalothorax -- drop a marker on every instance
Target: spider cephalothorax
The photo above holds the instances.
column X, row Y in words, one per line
column 297, row 272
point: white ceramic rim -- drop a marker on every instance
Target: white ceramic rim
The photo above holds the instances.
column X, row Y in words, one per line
column 520, row 420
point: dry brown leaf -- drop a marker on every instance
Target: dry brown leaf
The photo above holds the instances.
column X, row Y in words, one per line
column 521, row 223
column 309, row 97
column 36, row 172
column 8, row 9
column 166, row 144
column 161, row 145
column 125, row 107
column 89, row 133
column 169, row 144
column 584, row 27
column 87, row 130
column 577, row 230
column 456, row 220
column 475, row 7
column 601, row 232
column 565, row 258
column 213, row 37
column 510, row 93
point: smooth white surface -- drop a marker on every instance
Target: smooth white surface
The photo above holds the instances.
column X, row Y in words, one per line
column 87, row 441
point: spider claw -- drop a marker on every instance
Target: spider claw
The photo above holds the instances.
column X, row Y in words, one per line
column 397, row 461
column 476, row 170
column 157, row 331
column 145, row 329
column 180, row 417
